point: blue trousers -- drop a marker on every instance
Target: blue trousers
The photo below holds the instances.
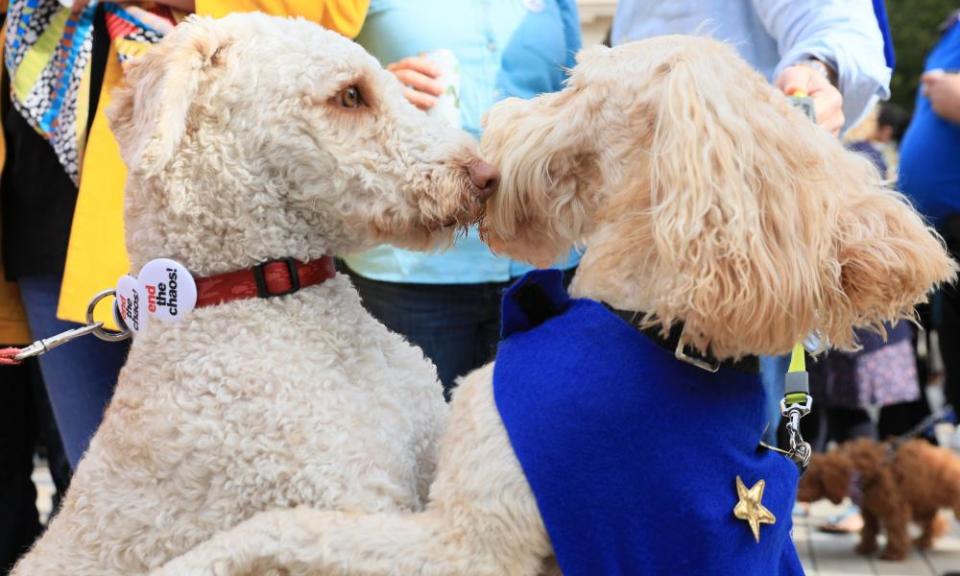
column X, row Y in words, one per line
column 456, row 325
column 79, row 376
column 773, row 370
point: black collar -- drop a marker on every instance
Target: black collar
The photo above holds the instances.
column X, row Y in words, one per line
column 749, row 364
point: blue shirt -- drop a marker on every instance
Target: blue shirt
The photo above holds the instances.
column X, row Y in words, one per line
column 930, row 151
column 774, row 34
column 631, row 454
column 504, row 48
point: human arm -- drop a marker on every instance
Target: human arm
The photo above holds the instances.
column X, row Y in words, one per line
column 943, row 91
column 845, row 36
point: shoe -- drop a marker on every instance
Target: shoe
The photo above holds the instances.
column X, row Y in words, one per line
column 849, row 522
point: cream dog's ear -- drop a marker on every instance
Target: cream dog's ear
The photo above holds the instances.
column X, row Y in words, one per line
column 749, row 223
column 149, row 113
column 889, row 259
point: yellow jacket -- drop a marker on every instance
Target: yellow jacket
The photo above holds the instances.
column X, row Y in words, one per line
column 97, row 255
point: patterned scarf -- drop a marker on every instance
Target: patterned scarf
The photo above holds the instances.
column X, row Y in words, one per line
column 48, row 57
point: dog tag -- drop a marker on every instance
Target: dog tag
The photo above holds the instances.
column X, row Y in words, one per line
column 169, row 288
column 131, row 307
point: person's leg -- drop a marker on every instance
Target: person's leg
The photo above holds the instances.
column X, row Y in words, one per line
column 19, row 522
column 79, row 376
column 773, row 370
column 441, row 319
column 950, row 343
column 902, row 417
column 49, row 436
column 850, row 423
column 488, row 327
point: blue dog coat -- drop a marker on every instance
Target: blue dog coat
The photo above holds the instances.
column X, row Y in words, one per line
column 633, row 455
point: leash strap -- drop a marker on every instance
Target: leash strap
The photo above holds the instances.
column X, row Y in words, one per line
column 796, row 404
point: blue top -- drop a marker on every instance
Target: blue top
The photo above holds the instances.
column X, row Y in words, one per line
column 631, row 454
column 504, row 48
column 774, row 34
column 930, row 151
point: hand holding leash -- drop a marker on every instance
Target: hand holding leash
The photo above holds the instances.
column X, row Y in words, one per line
column 14, row 356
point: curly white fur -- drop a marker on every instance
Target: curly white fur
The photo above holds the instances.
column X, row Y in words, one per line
column 701, row 196
column 240, row 150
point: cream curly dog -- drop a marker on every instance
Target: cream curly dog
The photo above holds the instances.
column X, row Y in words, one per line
column 248, row 139
column 701, row 196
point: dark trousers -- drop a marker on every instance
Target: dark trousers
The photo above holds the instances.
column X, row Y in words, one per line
column 456, row 325
column 25, row 419
column 946, row 318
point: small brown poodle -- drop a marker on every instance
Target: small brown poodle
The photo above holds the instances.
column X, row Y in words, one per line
column 891, row 486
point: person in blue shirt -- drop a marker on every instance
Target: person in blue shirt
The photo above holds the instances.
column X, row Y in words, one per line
column 448, row 303
column 837, row 52
column 930, row 176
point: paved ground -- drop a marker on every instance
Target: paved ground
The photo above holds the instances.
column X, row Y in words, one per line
column 833, row 555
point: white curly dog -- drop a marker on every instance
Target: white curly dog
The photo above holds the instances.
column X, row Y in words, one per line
column 249, row 139
column 701, row 196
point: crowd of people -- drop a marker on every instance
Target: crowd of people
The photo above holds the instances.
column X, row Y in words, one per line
column 62, row 190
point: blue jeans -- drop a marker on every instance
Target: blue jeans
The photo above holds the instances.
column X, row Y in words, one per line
column 456, row 325
column 773, row 370
column 79, row 376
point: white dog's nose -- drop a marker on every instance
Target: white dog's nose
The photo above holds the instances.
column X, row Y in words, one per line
column 485, row 179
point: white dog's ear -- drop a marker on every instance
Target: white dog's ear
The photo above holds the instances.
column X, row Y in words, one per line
column 149, row 113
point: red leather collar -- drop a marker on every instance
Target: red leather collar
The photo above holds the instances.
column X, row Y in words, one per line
column 267, row 280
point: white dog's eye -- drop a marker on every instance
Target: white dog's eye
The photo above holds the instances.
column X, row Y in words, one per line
column 350, row 97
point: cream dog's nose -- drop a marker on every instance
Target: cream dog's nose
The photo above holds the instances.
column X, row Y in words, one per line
column 485, row 179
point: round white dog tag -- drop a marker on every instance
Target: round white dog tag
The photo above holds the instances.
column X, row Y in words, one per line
column 170, row 289
column 131, row 307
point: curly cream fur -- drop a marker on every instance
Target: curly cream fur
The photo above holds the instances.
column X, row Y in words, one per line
column 239, row 152
column 700, row 196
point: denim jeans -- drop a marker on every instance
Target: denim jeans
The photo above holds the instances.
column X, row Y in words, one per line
column 79, row 376
column 773, row 370
column 456, row 325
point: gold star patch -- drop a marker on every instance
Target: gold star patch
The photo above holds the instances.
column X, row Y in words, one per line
column 750, row 507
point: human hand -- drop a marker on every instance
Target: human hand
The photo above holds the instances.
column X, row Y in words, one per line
column 943, row 91
column 419, row 75
column 827, row 100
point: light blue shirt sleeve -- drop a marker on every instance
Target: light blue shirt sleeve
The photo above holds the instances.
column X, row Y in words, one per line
column 843, row 33
column 773, row 34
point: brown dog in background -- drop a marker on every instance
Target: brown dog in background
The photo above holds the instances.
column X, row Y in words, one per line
column 892, row 486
